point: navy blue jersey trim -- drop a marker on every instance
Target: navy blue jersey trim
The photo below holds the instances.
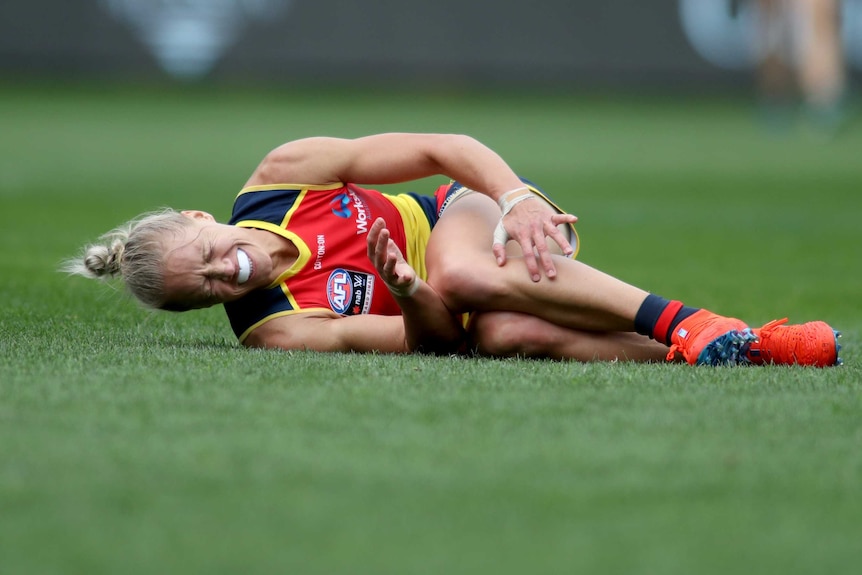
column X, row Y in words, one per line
column 254, row 307
column 264, row 205
column 428, row 205
column 269, row 206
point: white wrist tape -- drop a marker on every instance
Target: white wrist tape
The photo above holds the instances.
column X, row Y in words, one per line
column 501, row 236
column 507, row 206
column 404, row 291
column 520, row 194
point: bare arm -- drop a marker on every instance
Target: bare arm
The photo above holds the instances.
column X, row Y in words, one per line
column 398, row 157
column 429, row 326
column 387, row 159
column 329, row 332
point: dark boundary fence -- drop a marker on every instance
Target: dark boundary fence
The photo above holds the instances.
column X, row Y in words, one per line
column 544, row 43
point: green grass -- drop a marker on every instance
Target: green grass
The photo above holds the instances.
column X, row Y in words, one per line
column 133, row 442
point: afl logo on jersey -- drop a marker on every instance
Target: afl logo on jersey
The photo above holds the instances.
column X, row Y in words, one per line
column 349, row 292
column 339, row 290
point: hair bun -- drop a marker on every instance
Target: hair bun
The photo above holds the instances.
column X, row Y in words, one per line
column 101, row 260
column 134, row 252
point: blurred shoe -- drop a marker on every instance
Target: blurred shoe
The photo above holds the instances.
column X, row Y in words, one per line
column 813, row 343
column 705, row 338
column 829, row 115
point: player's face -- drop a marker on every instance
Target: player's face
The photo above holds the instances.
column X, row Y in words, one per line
column 211, row 263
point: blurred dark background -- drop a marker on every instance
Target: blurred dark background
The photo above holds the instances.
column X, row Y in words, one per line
column 544, row 44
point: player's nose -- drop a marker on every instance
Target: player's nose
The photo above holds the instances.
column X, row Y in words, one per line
column 226, row 269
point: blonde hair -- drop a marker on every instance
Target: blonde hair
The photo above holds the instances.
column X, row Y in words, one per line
column 134, row 252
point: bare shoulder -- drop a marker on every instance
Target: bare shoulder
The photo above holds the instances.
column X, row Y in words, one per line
column 307, row 161
column 378, row 159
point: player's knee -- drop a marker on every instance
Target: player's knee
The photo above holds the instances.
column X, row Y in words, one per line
column 462, row 284
column 508, row 334
column 491, row 334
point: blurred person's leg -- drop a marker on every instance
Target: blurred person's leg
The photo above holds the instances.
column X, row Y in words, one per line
column 776, row 85
column 820, row 59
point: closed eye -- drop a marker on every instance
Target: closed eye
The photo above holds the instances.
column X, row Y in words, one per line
column 207, row 289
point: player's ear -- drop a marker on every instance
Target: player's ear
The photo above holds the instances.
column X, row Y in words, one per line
column 198, row 215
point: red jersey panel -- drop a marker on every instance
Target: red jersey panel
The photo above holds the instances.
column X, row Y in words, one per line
column 329, row 225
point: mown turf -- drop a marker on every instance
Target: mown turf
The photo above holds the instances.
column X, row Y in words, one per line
column 149, row 443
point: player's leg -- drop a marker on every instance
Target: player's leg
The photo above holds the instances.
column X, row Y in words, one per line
column 774, row 38
column 820, row 57
column 462, row 268
column 513, row 334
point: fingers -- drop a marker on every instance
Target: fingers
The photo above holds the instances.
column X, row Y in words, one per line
column 531, row 238
column 531, row 231
column 526, row 243
column 391, row 260
column 387, row 257
column 544, row 253
column 377, row 244
column 564, row 219
column 499, row 254
column 559, row 237
column 501, row 236
column 373, row 237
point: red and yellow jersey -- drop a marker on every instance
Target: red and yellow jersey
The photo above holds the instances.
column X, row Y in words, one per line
column 329, row 226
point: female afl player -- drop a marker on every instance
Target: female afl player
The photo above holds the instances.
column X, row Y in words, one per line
column 313, row 259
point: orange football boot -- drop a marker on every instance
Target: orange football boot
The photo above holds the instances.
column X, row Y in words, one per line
column 705, row 338
column 813, row 343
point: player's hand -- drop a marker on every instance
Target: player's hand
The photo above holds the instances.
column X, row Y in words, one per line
column 530, row 223
column 397, row 274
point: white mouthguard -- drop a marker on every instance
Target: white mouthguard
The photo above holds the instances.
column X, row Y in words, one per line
column 244, row 266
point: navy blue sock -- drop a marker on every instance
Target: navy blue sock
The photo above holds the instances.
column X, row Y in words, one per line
column 658, row 317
